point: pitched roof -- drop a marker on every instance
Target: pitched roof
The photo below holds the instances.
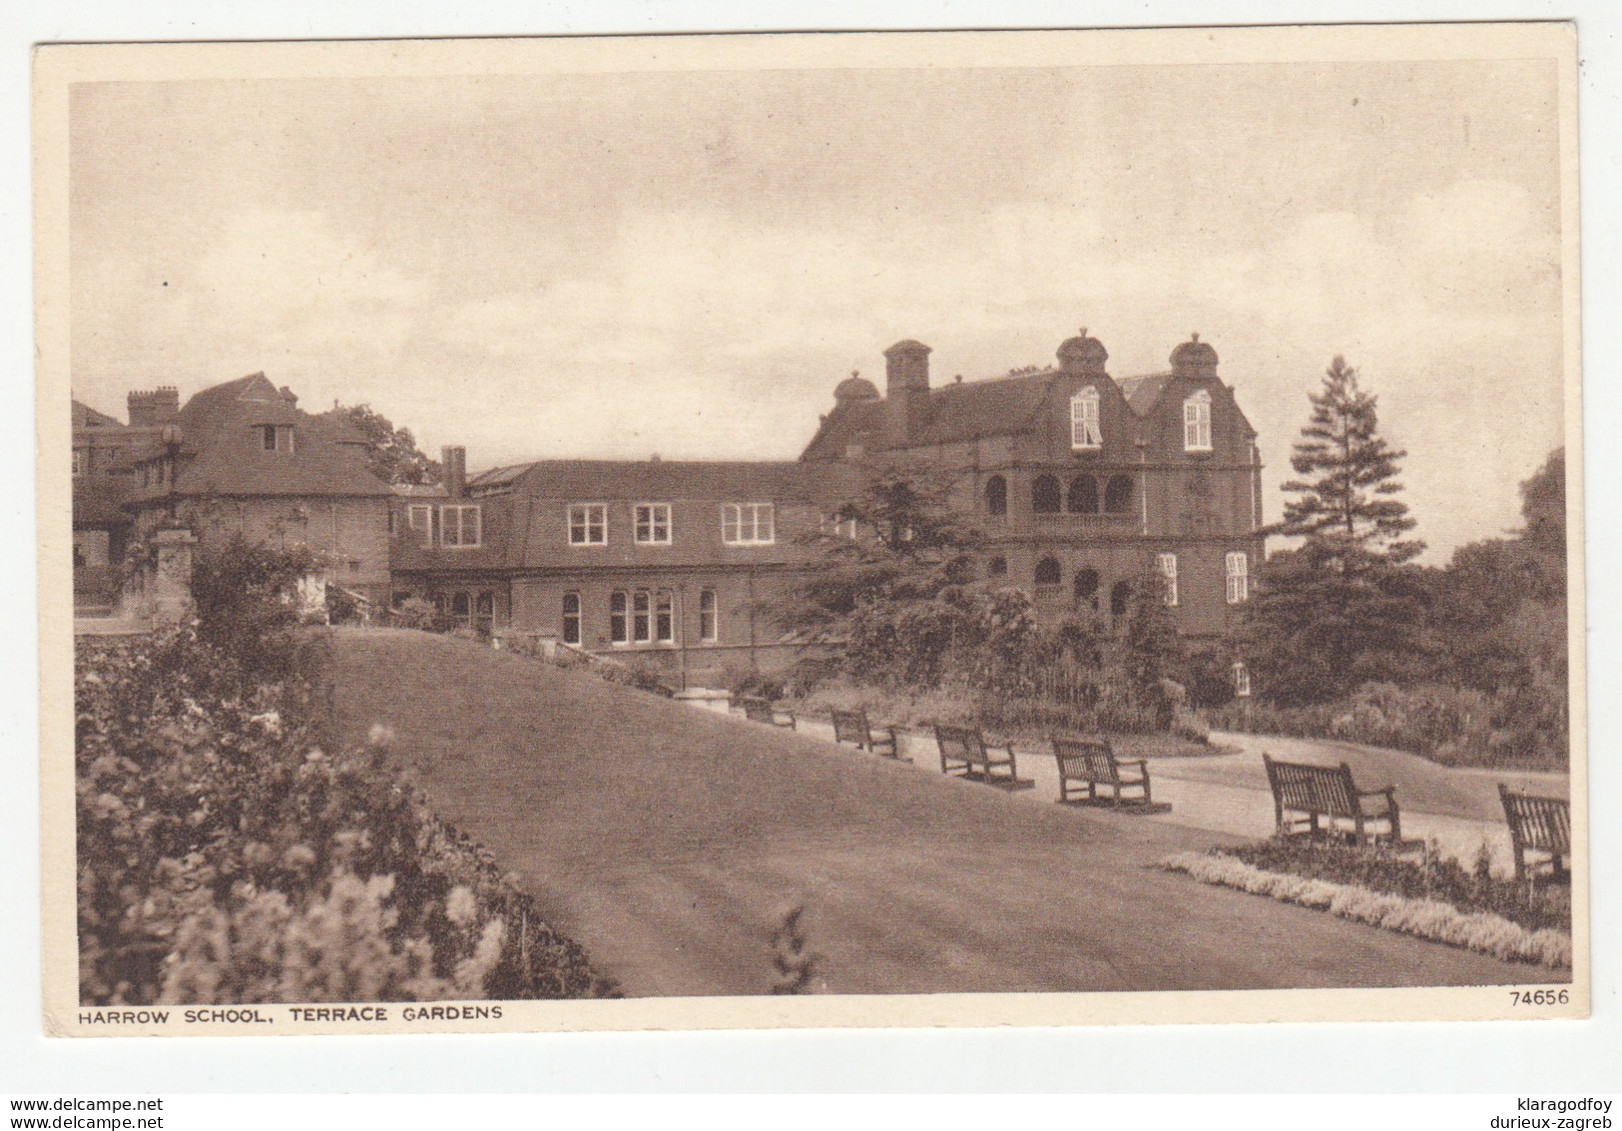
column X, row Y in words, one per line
column 216, row 425
column 961, row 411
column 965, row 410
column 341, row 427
column 98, row 500
column 86, row 417
column 1142, row 392
column 661, row 480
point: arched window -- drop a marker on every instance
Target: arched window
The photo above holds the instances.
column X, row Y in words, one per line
column 1045, row 495
column 571, row 618
column 1085, row 433
column 1087, row 588
column 1119, row 598
column 1197, row 422
column 1118, row 495
column 1083, row 495
column 997, row 567
column 1047, row 572
column 996, row 495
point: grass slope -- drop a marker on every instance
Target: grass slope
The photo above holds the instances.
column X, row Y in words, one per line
column 670, row 841
column 1423, row 786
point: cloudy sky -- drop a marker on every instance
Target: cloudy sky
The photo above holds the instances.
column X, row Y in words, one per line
column 687, row 263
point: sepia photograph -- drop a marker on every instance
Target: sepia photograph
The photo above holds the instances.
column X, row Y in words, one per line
column 1056, row 528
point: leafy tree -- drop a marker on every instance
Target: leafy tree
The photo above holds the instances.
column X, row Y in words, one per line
column 889, row 579
column 1500, row 605
column 1543, row 508
column 1340, row 609
column 1150, row 649
column 391, row 452
column 898, row 539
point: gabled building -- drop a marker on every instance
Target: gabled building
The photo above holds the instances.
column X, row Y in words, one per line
column 1082, row 482
column 239, row 457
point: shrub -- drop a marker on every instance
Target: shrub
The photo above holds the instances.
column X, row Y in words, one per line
column 1456, row 726
column 225, row 856
column 416, row 613
column 246, row 596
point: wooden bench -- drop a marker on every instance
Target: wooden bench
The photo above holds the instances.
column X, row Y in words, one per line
column 1540, row 825
column 1091, row 764
column 1324, row 801
column 852, row 726
column 965, row 753
column 759, row 710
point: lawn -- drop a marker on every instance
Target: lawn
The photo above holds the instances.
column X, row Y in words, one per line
column 671, row 841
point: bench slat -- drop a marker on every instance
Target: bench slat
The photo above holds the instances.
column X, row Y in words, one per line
column 1326, row 797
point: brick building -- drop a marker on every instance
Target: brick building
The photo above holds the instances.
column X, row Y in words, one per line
column 239, row 457
column 656, row 559
column 1082, row 483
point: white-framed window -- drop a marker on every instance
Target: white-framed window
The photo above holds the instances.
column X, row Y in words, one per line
column 1241, row 680
column 839, row 527
column 420, row 518
column 1166, row 564
column 653, row 523
column 1197, row 422
column 275, row 437
column 1237, row 568
column 571, row 618
column 664, row 617
column 619, row 628
column 1085, row 432
column 709, row 617
column 748, row 524
column 641, row 618
column 81, row 461
column 588, row 524
column 459, row 525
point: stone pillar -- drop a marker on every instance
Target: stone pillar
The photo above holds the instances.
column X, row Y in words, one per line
column 168, row 592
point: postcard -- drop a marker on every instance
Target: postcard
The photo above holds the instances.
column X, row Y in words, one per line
column 795, row 530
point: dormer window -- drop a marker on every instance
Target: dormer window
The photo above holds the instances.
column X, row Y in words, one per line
column 748, row 524
column 1197, row 422
column 653, row 523
column 1085, row 433
column 275, row 437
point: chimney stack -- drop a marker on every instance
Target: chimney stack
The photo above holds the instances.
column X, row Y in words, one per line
column 155, row 407
column 906, row 387
column 453, row 461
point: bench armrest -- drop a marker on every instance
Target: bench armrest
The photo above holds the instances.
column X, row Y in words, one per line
column 1388, row 791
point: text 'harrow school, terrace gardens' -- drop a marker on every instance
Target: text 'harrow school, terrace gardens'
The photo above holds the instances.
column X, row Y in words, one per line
column 1080, row 482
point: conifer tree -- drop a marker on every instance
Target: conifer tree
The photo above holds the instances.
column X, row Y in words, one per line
column 1338, row 610
column 1348, row 502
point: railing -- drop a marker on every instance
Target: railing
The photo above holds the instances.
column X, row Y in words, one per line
column 1124, row 518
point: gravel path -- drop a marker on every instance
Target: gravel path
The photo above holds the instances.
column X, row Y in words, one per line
column 670, row 841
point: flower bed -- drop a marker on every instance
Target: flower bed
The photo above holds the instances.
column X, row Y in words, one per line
column 1433, row 899
column 225, row 856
